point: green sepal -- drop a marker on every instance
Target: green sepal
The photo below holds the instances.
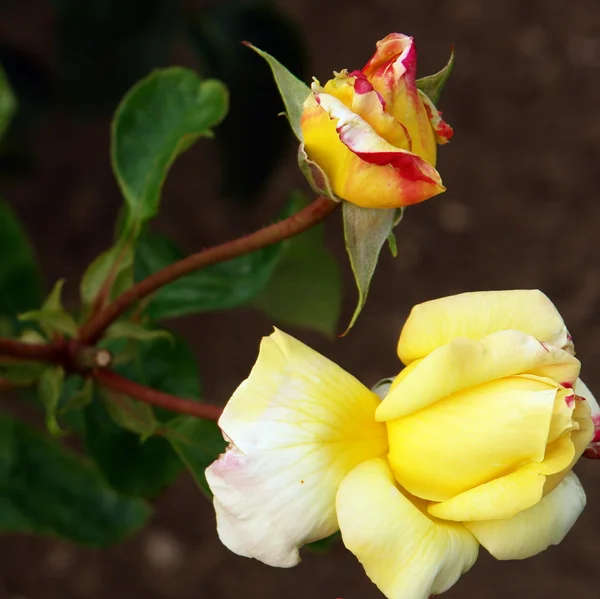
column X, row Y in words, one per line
column 293, row 91
column 382, row 387
column 433, row 85
column 365, row 232
column 315, row 175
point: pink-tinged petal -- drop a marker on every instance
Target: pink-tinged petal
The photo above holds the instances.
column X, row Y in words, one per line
column 392, row 72
column 298, row 425
column 443, row 131
column 393, row 67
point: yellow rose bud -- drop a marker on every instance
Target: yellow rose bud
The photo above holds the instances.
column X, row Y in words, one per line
column 373, row 133
column 473, row 443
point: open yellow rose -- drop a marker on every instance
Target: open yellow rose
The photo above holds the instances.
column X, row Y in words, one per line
column 374, row 133
column 473, row 444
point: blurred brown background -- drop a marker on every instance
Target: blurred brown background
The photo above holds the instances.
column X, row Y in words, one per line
column 521, row 211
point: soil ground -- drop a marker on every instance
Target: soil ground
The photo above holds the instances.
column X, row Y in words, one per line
column 521, row 211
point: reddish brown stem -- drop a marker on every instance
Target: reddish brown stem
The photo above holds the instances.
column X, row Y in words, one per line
column 114, row 381
column 92, row 331
column 32, row 351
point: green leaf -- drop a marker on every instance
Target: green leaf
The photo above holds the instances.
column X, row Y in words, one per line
column 50, row 388
column 116, row 264
column 162, row 116
column 76, row 399
column 433, row 85
column 365, row 232
column 47, row 490
column 198, row 443
column 54, row 299
column 323, row 546
column 52, row 317
column 130, row 414
column 130, row 466
column 8, row 102
column 305, row 289
column 219, row 287
column 293, row 91
column 168, row 365
column 21, row 373
column 125, row 329
column 147, row 467
column 20, row 278
column 52, row 321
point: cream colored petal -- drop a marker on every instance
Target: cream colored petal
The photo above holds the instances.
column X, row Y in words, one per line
column 536, row 528
column 407, row 554
column 478, row 314
column 464, row 363
column 472, row 437
column 298, row 424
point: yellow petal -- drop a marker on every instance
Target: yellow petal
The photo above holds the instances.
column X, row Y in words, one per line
column 471, row 437
column 580, row 437
column 407, row 554
column 464, row 363
column 562, row 414
column 475, row 315
column 508, row 495
column 535, row 528
column 341, row 87
column 362, row 167
column 500, row 498
column 298, row 424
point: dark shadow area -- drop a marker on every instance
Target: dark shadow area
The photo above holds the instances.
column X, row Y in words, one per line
column 521, row 211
